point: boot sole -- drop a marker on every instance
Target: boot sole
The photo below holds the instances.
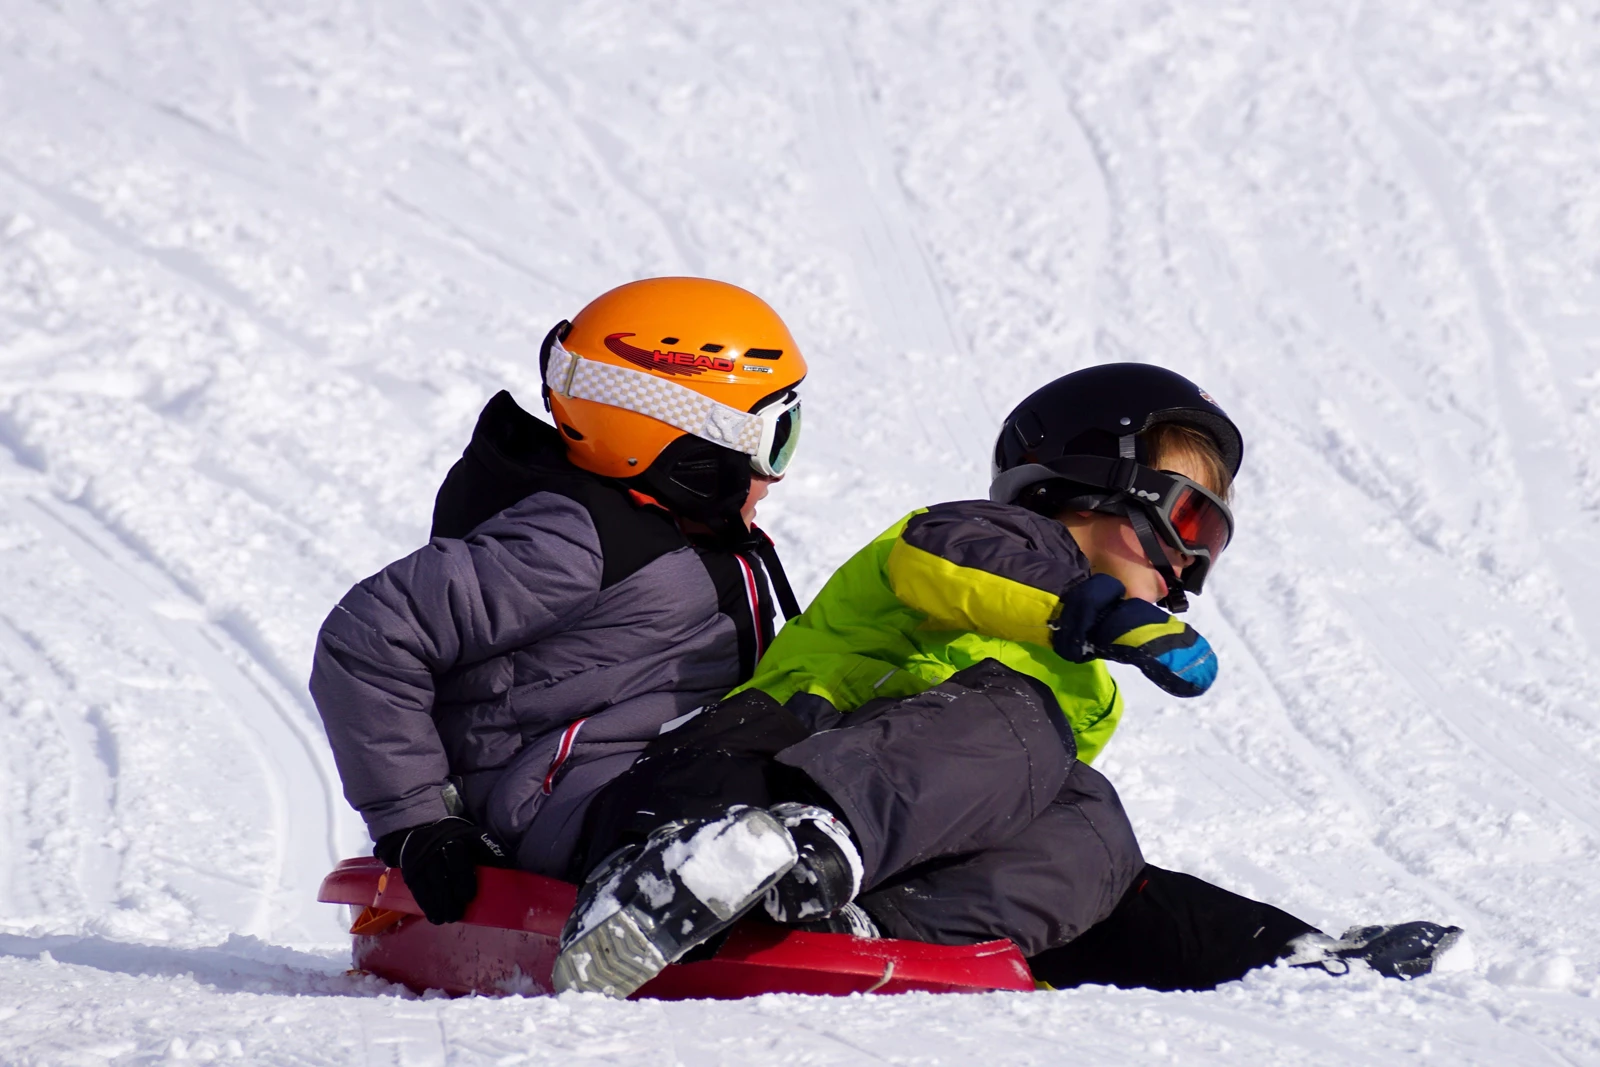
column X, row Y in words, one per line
column 615, row 958
column 624, row 951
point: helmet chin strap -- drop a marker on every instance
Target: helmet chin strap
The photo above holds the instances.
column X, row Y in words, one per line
column 1174, row 601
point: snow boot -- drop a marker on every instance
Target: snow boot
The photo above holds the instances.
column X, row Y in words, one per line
column 648, row 904
column 852, row 919
column 1404, row 950
column 827, row 875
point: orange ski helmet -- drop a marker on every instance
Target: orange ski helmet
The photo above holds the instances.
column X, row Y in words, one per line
column 683, row 385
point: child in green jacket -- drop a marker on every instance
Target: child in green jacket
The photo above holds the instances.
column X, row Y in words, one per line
column 911, row 758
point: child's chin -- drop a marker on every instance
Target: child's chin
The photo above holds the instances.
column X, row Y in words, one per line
column 1152, row 591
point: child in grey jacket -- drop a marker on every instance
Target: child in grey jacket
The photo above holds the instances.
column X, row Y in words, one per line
column 586, row 583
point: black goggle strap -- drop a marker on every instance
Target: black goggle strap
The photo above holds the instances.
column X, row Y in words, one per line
column 1174, row 601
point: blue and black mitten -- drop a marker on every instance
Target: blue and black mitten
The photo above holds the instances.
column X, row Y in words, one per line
column 1097, row 623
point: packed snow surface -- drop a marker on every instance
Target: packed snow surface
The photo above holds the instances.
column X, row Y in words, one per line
column 261, row 264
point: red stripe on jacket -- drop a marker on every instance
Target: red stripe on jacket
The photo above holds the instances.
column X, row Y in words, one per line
column 754, row 595
column 563, row 750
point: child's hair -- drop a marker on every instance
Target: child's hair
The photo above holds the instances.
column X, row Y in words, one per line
column 1169, row 441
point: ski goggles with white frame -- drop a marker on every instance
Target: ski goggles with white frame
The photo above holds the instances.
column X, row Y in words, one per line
column 768, row 435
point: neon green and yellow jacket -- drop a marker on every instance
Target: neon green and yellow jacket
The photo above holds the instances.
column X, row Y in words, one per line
column 942, row 589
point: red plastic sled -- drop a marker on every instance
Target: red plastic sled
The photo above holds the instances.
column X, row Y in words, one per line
column 508, row 940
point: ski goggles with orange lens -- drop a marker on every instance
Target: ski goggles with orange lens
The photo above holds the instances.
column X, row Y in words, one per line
column 1188, row 516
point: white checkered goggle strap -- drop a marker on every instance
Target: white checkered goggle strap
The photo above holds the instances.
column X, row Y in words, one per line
column 645, row 394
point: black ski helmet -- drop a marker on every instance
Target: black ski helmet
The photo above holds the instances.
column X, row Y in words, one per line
column 1088, row 412
column 1101, row 411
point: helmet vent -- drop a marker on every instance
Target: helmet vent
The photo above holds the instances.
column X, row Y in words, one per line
column 669, row 340
column 570, row 432
column 1030, row 430
column 763, row 353
column 711, row 348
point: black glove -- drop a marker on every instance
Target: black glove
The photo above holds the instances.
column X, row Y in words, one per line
column 1097, row 623
column 440, row 862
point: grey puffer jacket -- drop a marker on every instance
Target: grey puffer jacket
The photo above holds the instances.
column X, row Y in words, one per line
column 534, row 654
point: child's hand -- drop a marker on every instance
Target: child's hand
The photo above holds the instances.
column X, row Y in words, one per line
column 1097, row 623
column 440, row 862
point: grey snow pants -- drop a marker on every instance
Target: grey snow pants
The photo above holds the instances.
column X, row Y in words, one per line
column 974, row 818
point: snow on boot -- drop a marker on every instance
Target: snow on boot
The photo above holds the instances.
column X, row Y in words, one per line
column 648, row 904
column 1404, row 950
column 852, row 919
column 826, row 877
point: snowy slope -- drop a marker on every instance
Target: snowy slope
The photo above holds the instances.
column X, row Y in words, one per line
column 260, row 265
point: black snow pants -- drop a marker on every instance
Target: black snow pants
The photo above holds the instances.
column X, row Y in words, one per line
column 974, row 818
column 1173, row 931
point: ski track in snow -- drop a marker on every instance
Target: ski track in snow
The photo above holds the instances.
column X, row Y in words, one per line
column 298, row 787
column 260, row 267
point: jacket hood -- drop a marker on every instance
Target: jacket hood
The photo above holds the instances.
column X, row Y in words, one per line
column 511, row 455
